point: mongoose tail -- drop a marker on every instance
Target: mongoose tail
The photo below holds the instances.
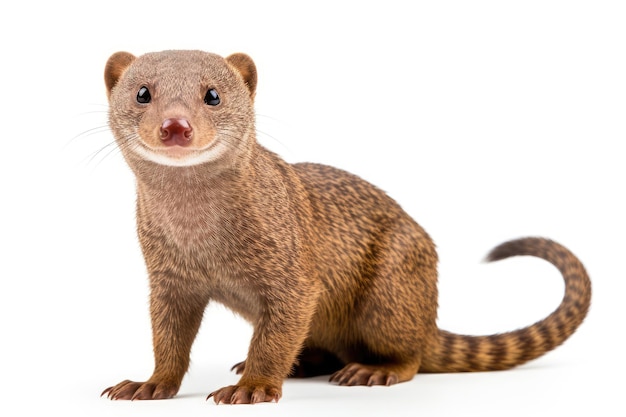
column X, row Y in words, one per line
column 460, row 353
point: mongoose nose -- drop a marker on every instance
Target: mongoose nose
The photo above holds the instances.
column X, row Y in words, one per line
column 176, row 132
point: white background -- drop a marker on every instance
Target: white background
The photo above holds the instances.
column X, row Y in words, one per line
column 486, row 120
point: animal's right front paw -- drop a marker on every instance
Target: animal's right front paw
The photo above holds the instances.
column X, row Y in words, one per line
column 129, row 390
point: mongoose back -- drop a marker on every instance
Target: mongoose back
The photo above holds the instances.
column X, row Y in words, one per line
column 333, row 275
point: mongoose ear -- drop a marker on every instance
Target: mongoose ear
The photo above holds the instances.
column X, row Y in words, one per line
column 245, row 66
column 115, row 67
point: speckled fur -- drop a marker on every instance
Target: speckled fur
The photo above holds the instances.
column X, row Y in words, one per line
column 334, row 276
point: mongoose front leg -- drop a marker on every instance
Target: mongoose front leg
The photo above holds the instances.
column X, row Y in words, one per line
column 175, row 323
column 277, row 339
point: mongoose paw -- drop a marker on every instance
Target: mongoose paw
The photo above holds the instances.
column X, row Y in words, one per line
column 129, row 390
column 239, row 367
column 246, row 394
column 358, row 374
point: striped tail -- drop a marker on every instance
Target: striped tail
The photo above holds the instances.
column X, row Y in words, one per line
column 459, row 353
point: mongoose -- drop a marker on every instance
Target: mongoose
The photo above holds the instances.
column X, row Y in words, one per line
column 333, row 275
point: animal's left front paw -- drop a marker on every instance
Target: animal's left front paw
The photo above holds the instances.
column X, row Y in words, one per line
column 247, row 393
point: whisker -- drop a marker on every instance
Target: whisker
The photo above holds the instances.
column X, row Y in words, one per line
column 114, row 148
column 264, row 132
column 85, row 113
column 95, row 154
column 235, row 143
column 87, row 133
column 268, row 117
column 96, row 118
column 272, row 137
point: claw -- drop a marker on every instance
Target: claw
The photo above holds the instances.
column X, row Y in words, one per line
column 238, row 367
column 243, row 394
column 129, row 390
column 357, row 374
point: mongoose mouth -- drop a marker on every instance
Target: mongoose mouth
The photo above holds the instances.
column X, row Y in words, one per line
column 178, row 152
column 180, row 156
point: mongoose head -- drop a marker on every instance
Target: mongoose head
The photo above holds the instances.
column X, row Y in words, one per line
column 182, row 108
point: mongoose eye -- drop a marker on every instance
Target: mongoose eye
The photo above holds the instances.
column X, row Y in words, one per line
column 212, row 98
column 143, row 95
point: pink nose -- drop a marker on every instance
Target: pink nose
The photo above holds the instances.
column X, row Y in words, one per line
column 176, row 132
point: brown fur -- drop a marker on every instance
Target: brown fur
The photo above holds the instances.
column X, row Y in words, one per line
column 334, row 276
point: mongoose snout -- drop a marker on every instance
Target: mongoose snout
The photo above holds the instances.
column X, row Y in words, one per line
column 176, row 131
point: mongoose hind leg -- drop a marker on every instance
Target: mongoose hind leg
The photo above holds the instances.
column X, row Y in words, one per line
column 394, row 317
